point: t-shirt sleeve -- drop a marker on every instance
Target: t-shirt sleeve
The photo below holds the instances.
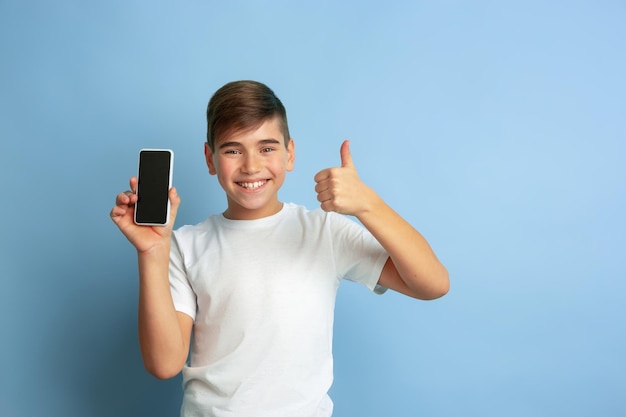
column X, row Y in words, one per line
column 183, row 294
column 358, row 255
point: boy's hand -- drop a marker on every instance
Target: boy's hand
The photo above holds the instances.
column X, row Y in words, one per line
column 144, row 238
column 340, row 189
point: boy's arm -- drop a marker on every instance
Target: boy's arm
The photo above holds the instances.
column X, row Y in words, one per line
column 164, row 333
column 413, row 268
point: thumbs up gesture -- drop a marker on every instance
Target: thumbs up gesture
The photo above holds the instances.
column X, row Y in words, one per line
column 340, row 189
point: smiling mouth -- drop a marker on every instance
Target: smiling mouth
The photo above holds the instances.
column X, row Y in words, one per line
column 252, row 185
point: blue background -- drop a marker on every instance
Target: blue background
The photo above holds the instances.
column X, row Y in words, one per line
column 498, row 129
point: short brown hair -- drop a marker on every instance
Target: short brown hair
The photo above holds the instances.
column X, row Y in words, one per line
column 240, row 106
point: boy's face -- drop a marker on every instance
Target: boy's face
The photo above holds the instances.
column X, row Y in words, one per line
column 251, row 167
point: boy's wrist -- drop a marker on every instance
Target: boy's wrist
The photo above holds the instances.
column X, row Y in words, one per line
column 154, row 264
column 371, row 204
column 158, row 251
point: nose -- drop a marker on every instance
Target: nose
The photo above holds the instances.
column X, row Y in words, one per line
column 252, row 164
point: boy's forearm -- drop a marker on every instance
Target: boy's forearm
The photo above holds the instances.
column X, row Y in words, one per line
column 416, row 263
column 163, row 347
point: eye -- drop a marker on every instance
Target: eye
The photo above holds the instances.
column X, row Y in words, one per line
column 267, row 149
column 232, row 152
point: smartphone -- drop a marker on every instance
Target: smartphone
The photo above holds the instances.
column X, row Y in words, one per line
column 154, row 182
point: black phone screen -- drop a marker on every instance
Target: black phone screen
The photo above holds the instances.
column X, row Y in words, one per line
column 154, row 177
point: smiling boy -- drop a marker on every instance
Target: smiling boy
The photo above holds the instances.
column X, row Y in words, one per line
column 251, row 167
column 257, row 283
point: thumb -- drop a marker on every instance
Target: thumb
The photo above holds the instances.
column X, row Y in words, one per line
column 346, row 156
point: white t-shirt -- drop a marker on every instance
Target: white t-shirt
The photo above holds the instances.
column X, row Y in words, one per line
column 262, row 296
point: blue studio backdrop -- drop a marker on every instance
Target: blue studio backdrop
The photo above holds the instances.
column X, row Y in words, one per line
column 496, row 128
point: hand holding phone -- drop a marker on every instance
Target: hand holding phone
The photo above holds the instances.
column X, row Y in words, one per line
column 154, row 182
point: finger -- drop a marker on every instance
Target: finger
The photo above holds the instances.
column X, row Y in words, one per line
column 133, row 184
column 125, row 198
column 322, row 186
column 120, row 199
column 324, row 196
column 327, row 205
column 346, row 156
column 116, row 213
column 322, row 175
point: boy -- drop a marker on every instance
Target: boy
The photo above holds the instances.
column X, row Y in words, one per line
column 257, row 283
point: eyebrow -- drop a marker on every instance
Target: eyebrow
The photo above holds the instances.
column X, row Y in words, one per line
column 270, row 141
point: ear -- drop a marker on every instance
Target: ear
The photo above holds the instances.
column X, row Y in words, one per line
column 208, row 155
column 291, row 155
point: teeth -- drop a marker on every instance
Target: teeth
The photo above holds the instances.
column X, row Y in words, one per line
column 252, row 185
